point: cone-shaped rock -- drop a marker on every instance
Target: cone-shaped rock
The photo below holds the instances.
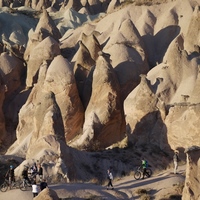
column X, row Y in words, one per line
column 60, row 80
column 192, row 39
column 82, row 68
column 104, row 119
column 46, row 50
column 47, row 26
column 47, row 194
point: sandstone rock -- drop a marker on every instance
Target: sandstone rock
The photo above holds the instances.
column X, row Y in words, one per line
column 191, row 188
column 47, row 125
column 82, row 69
column 47, row 26
column 193, row 34
column 123, row 45
column 46, row 50
column 74, row 4
column 113, row 4
column 146, row 115
column 161, row 111
column 84, row 61
column 60, row 80
column 2, row 119
column 180, row 133
column 56, row 110
column 41, row 4
column 104, row 115
column 17, row 36
column 47, row 194
column 175, row 62
column 12, row 70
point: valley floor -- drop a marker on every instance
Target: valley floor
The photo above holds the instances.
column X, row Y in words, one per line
column 160, row 185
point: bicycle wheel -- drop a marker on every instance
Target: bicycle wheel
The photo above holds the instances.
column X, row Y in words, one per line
column 23, row 186
column 148, row 172
column 137, row 175
column 4, row 187
column 15, row 185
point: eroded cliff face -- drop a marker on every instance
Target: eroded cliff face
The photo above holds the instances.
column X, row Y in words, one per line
column 191, row 187
column 132, row 75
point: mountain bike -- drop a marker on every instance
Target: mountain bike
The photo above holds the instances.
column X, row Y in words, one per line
column 25, row 185
column 139, row 173
column 9, row 184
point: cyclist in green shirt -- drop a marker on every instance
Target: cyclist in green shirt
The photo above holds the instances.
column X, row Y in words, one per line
column 144, row 167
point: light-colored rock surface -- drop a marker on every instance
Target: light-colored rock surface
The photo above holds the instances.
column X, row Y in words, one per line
column 191, row 188
column 71, row 96
column 47, row 194
column 103, row 116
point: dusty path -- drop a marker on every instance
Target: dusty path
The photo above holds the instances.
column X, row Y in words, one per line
column 126, row 188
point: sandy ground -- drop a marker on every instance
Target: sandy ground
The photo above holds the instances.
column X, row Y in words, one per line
column 159, row 185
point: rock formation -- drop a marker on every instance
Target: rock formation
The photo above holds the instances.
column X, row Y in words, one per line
column 103, row 116
column 47, row 194
column 142, row 90
column 85, row 59
column 191, row 188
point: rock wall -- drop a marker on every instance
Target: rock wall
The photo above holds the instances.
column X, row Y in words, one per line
column 191, row 188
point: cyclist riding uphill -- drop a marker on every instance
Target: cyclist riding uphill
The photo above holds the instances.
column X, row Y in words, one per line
column 144, row 167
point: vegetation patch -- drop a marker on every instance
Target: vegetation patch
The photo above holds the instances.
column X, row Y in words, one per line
column 143, row 194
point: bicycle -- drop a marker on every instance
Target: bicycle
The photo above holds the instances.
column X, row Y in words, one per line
column 139, row 173
column 25, row 184
column 8, row 184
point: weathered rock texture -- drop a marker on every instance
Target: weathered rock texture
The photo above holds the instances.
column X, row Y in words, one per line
column 42, row 45
column 47, row 194
column 104, row 118
column 191, row 188
column 70, row 95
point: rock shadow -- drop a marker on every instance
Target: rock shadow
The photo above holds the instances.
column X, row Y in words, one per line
column 150, row 136
column 157, row 45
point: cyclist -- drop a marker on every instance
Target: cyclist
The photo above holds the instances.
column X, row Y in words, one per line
column 144, row 167
column 34, row 170
column 10, row 175
column 25, row 174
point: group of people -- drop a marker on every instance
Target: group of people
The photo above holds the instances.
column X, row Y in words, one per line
column 35, row 189
column 26, row 173
column 34, row 171
column 38, row 170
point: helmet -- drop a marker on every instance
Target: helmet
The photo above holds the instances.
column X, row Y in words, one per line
column 11, row 166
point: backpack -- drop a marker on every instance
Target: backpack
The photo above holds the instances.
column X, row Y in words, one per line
column 146, row 163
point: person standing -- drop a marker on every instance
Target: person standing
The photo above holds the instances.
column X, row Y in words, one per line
column 34, row 170
column 40, row 172
column 43, row 185
column 110, row 178
column 34, row 189
column 175, row 159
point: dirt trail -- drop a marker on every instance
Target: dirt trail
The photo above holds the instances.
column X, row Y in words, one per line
column 158, row 185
